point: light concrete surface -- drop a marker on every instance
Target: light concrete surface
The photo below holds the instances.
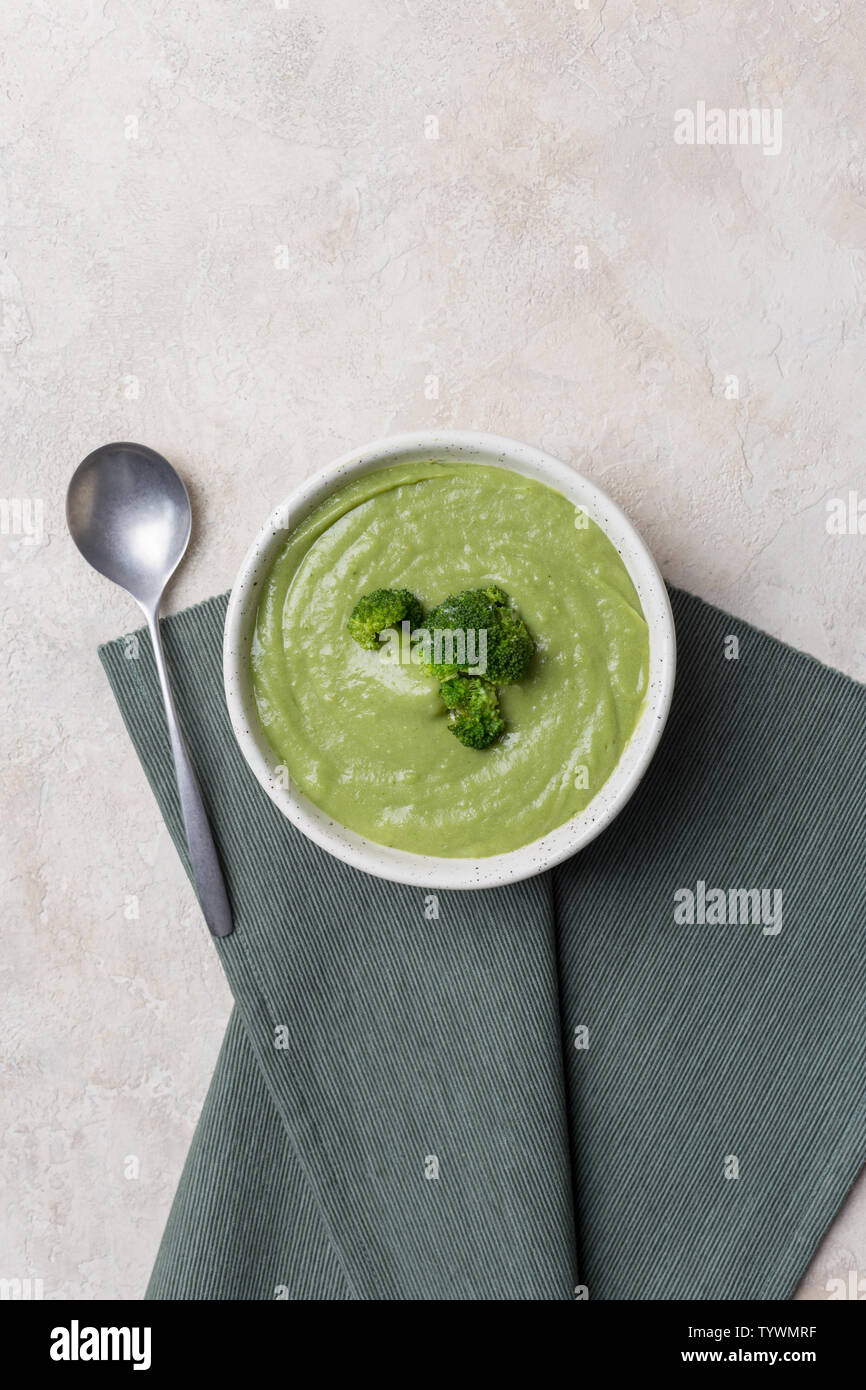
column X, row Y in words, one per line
column 253, row 235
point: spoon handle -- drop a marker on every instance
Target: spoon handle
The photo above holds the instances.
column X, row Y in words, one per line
column 207, row 874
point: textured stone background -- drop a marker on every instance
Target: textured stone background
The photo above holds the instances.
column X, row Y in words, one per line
column 155, row 157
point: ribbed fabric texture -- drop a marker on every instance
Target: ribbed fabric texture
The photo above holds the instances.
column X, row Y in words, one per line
column 374, row 1043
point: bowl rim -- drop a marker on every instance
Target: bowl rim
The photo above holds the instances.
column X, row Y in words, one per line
column 403, row 866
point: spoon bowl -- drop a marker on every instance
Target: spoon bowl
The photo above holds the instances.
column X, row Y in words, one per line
column 130, row 516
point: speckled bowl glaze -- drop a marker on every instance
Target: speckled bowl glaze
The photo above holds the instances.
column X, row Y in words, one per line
column 427, row 871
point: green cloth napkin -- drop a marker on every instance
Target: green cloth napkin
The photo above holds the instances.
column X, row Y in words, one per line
column 405, row 1105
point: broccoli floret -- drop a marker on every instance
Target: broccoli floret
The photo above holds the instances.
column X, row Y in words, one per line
column 382, row 609
column 473, row 710
column 509, row 645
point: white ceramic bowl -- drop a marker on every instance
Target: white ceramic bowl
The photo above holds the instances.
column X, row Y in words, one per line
column 428, row 871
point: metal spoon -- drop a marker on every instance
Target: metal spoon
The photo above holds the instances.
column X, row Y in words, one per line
column 129, row 514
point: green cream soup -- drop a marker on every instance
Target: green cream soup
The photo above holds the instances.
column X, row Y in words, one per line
column 365, row 736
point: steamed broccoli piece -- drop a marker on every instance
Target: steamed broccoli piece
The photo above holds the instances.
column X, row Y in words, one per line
column 473, row 710
column 509, row 645
column 382, row 609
